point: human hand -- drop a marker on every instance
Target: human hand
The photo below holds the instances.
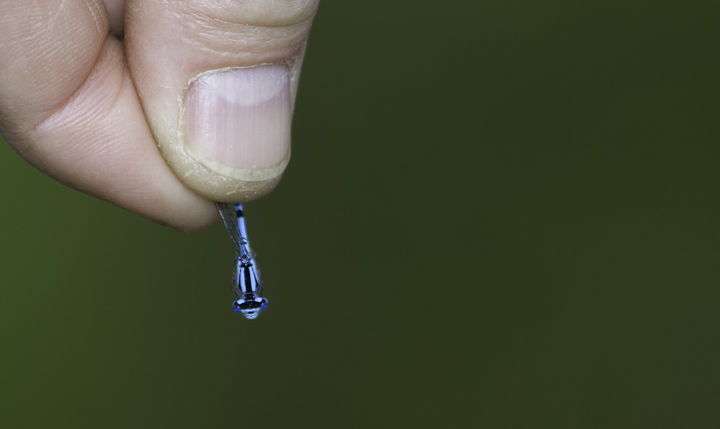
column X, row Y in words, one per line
column 211, row 83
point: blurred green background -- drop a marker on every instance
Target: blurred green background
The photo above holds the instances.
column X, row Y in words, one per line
column 498, row 214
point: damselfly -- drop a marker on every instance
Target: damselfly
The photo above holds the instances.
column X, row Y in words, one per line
column 246, row 280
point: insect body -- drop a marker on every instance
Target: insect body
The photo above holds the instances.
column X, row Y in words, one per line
column 246, row 279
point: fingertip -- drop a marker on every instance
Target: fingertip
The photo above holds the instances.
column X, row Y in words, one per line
column 219, row 99
column 195, row 221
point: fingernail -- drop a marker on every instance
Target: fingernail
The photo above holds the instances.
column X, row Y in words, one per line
column 238, row 122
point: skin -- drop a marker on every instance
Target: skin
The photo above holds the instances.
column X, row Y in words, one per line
column 104, row 117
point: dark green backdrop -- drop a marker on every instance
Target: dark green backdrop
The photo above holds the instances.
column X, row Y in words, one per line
column 498, row 214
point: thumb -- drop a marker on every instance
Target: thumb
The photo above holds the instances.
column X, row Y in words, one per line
column 217, row 80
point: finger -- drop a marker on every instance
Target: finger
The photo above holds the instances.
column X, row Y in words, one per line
column 217, row 80
column 68, row 106
column 116, row 14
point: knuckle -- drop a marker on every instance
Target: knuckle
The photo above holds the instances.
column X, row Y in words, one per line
column 261, row 13
column 246, row 32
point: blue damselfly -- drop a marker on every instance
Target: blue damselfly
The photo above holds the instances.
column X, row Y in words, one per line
column 246, row 280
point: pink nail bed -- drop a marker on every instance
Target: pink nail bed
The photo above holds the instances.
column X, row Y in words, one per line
column 240, row 119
